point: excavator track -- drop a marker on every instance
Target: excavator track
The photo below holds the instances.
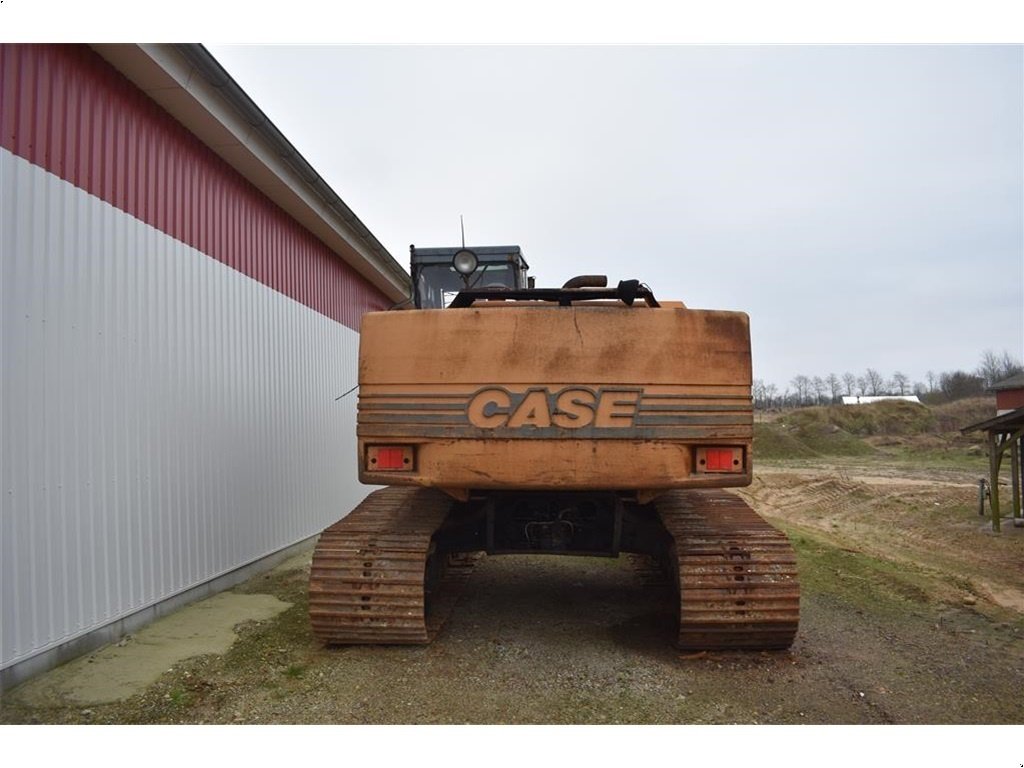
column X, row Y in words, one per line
column 375, row 577
column 737, row 575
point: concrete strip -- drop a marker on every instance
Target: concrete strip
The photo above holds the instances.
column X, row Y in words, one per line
column 119, row 671
column 15, row 675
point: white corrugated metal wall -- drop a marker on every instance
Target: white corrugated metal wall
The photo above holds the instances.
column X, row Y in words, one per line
column 165, row 417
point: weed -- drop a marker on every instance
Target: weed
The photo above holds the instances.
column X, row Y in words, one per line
column 179, row 698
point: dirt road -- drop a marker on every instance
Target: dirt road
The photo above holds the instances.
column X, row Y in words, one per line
column 908, row 615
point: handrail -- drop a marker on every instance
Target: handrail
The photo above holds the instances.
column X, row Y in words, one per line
column 627, row 292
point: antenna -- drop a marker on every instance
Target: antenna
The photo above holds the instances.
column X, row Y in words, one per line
column 463, row 228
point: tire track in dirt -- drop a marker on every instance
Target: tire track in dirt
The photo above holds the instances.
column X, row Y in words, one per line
column 924, row 520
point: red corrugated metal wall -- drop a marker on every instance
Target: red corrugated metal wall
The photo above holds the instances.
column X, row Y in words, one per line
column 64, row 108
column 1010, row 399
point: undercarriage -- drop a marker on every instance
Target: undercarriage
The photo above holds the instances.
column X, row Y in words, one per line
column 390, row 571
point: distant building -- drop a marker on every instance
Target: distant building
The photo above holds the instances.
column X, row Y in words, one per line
column 867, row 399
column 1009, row 394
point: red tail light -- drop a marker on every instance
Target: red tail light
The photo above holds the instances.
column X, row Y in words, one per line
column 720, row 460
column 389, row 457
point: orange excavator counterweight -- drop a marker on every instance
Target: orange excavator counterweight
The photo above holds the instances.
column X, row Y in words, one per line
column 582, row 420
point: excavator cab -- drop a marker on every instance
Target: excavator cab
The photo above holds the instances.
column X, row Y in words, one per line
column 440, row 274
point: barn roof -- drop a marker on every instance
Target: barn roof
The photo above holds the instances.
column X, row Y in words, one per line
column 1014, row 382
column 1008, row 422
column 187, row 81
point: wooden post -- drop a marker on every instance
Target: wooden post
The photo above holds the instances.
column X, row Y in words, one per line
column 1020, row 464
column 1015, row 474
column 981, row 497
column 994, row 456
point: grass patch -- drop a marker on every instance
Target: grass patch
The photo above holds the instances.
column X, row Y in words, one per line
column 913, row 456
column 860, row 580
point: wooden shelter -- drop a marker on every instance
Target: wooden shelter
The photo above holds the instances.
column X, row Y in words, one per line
column 1005, row 433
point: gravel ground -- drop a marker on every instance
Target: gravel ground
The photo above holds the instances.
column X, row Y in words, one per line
column 567, row 640
column 582, row 640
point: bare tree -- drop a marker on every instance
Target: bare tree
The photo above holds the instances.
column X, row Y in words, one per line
column 757, row 389
column 900, row 382
column 994, row 368
column 819, row 387
column 958, row 384
column 990, row 368
column 932, row 380
column 850, row 381
column 771, row 391
column 862, row 386
column 802, row 385
column 834, row 386
column 1011, row 366
column 873, row 381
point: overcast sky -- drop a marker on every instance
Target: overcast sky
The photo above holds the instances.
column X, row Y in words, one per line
column 864, row 205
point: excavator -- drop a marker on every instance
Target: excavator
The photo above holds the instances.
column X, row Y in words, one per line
column 502, row 418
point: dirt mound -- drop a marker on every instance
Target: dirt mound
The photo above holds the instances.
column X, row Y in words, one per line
column 774, row 442
column 891, row 427
column 892, row 417
column 806, row 435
